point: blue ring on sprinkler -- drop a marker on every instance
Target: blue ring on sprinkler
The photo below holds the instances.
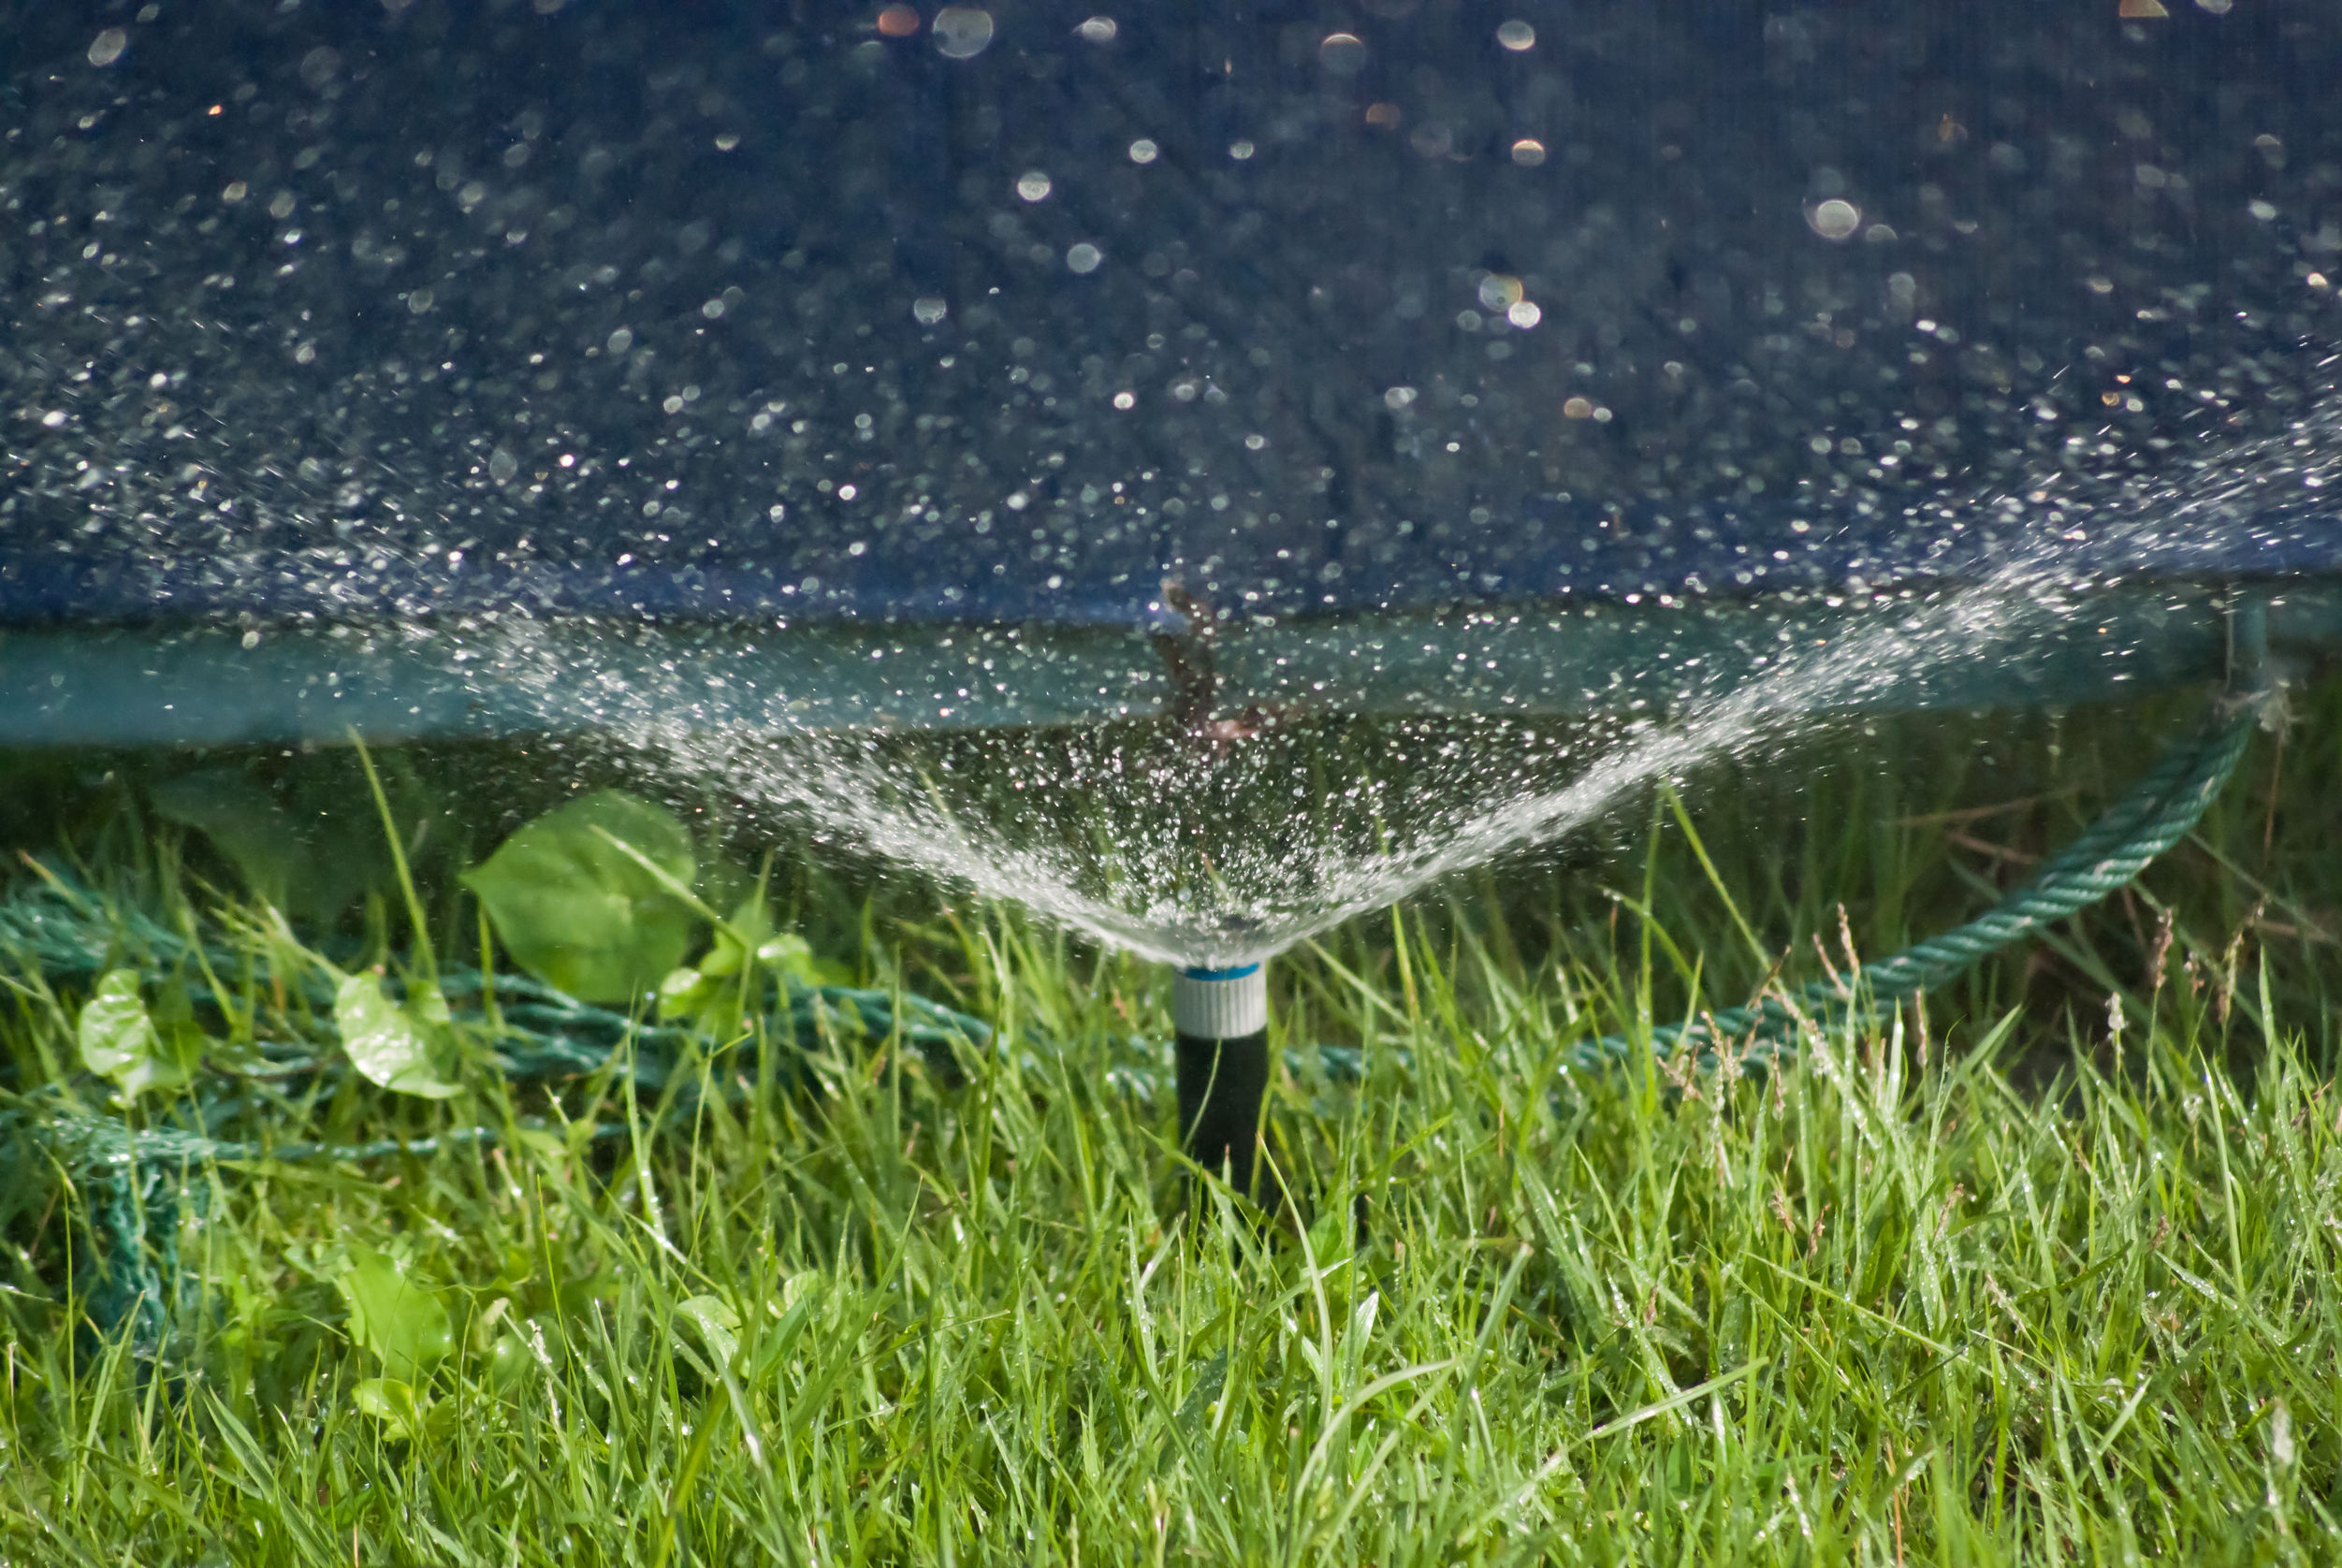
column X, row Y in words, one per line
column 1237, row 973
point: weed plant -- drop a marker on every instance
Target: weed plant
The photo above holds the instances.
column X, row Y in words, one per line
column 2048, row 1268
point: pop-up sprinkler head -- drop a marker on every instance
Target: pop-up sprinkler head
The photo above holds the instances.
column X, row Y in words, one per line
column 1222, row 1020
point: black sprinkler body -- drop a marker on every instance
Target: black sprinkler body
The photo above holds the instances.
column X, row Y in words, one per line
column 1222, row 1020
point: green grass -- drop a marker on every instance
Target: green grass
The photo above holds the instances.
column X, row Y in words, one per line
column 2016, row 1286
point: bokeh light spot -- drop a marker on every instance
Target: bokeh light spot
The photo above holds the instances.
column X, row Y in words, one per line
column 962, row 32
column 1342, row 53
column 1835, row 219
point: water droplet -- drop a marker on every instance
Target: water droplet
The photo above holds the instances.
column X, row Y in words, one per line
column 1033, row 185
column 1342, row 53
column 928, row 309
column 1499, row 291
column 107, row 46
column 1126, row 400
column 1528, row 153
column 1835, row 219
column 1098, row 30
column 1524, row 314
column 898, row 22
column 1143, row 150
column 1240, row 150
column 962, row 32
column 503, row 466
column 235, row 190
column 1084, row 258
column 1397, row 398
column 1516, row 36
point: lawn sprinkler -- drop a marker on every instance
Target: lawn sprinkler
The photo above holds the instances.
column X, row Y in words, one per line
column 1221, row 1017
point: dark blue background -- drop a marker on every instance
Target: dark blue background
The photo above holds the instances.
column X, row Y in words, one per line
column 357, row 409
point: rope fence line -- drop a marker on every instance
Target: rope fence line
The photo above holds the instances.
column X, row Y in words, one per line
column 2160, row 811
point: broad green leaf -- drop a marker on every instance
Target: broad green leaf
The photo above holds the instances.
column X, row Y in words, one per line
column 788, row 955
column 391, row 1046
column 719, row 1326
column 684, row 991
column 748, row 929
column 391, row 1403
column 395, row 1315
column 119, row 1039
column 404, row 1411
column 579, row 913
column 508, row 1362
column 277, row 853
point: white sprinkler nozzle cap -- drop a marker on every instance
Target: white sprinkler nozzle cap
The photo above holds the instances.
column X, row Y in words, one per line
column 1221, row 1004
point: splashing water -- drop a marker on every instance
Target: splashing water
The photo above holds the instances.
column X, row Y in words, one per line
column 1219, row 842
column 1219, row 850
column 1228, row 842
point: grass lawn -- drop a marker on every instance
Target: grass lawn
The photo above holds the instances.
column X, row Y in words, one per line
column 2049, row 1268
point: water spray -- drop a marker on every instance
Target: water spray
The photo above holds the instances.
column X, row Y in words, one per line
column 1221, row 1017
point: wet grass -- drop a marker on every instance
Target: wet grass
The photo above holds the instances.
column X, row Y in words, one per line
column 2051, row 1271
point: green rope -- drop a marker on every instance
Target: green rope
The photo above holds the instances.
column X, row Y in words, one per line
column 134, row 1178
column 2156, row 813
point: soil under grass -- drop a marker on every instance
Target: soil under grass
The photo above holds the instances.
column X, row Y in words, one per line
column 2051, row 1267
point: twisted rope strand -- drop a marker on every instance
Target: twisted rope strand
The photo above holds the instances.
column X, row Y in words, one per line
column 2156, row 813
